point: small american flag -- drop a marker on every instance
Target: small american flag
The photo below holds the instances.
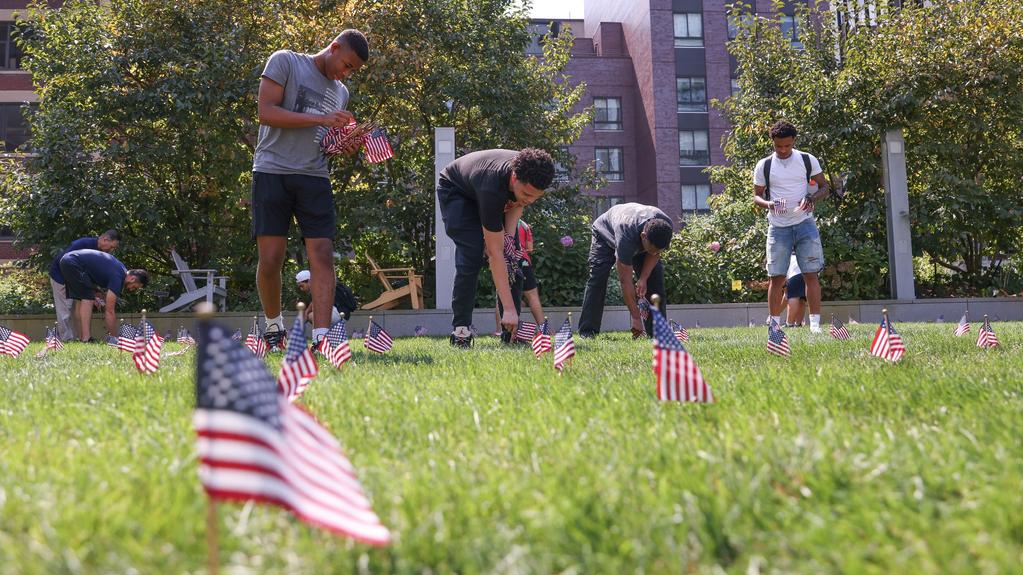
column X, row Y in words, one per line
column 126, row 335
column 255, row 446
column 526, row 332
column 644, row 308
column 564, row 345
column 52, row 341
column 184, row 338
column 777, row 341
column 254, row 342
column 678, row 377
column 986, row 336
column 542, row 339
column 148, row 345
column 335, row 345
column 963, row 328
column 838, row 330
column 237, row 336
column 378, row 147
column 298, row 367
column 887, row 342
column 377, row 339
column 681, row 333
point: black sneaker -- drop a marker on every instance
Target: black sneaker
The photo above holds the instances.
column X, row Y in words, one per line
column 461, row 337
column 274, row 337
column 506, row 337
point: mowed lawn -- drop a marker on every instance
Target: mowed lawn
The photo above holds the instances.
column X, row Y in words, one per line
column 486, row 461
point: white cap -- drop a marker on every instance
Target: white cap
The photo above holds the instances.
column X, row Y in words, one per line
column 302, row 276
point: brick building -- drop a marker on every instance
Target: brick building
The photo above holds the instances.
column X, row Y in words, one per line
column 15, row 91
column 651, row 68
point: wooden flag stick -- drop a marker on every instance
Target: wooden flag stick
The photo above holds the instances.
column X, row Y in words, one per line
column 212, row 539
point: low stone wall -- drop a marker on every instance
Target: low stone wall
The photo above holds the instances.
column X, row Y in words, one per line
column 616, row 318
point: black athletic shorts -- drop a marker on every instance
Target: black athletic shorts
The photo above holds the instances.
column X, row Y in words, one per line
column 528, row 277
column 276, row 198
column 795, row 286
column 77, row 282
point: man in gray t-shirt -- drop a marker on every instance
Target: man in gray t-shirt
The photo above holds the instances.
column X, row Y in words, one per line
column 630, row 237
column 300, row 97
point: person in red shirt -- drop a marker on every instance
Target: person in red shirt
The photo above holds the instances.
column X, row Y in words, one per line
column 530, row 289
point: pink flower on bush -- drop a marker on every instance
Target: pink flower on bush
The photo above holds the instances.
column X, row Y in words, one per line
column 714, row 246
column 567, row 241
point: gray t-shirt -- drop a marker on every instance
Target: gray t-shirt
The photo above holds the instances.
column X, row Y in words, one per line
column 622, row 225
column 306, row 90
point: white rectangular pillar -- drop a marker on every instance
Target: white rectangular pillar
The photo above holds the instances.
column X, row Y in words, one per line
column 444, row 154
column 900, row 245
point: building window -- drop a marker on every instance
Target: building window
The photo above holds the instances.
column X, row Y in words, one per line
column 736, row 90
column 607, row 113
column 790, row 29
column 692, row 94
column 689, row 30
column 734, row 23
column 693, row 148
column 13, row 126
column 10, row 52
column 694, row 198
column 604, row 203
column 609, row 164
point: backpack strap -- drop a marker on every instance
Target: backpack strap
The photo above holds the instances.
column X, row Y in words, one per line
column 806, row 163
column 767, row 178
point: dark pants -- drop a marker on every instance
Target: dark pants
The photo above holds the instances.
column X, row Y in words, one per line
column 601, row 260
column 462, row 223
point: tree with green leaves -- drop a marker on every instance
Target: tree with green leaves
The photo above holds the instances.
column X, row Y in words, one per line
column 147, row 118
column 948, row 74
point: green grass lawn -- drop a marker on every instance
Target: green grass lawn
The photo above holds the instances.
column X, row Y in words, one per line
column 486, row 461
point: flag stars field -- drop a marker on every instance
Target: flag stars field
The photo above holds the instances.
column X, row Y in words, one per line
column 487, row 460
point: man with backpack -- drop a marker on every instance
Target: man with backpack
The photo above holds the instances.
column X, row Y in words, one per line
column 788, row 184
column 345, row 301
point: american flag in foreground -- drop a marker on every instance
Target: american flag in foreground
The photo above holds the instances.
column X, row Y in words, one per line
column 777, row 341
column 377, row 339
column 681, row 333
column 986, row 336
column 255, row 446
column 298, row 367
column 148, row 345
column 525, row 332
column 334, row 346
column 564, row 345
column 378, row 147
column 887, row 342
column 126, row 336
column 254, row 341
column 678, row 377
column 542, row 339
column 963, row 328
column 837, row 330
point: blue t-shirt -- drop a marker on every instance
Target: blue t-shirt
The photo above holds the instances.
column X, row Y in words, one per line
column 104, row 270
column 79, row 244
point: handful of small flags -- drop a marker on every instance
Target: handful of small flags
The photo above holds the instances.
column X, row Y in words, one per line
column 367, row 135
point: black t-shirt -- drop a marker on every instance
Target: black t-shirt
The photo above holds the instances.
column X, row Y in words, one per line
column 483, row 177
column 622, row 225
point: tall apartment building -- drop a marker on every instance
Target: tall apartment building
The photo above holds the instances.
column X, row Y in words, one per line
column 15, row 90
column 651, row 67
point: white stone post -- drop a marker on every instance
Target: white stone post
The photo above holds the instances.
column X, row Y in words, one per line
column 900, row 246
column 444, row 154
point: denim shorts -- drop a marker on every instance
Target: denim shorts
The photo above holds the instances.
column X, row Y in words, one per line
column 803, row 238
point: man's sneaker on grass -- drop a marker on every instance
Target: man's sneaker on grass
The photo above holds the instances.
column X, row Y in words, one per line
column 461, row 337
column 274, row 337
